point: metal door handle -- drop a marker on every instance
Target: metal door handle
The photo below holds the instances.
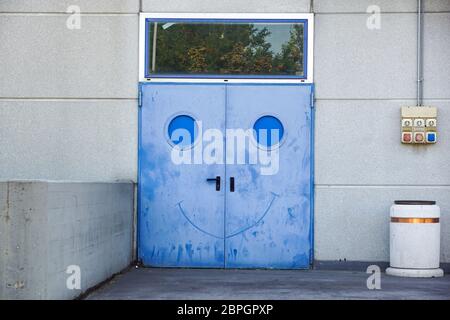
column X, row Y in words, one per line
column 217, row 180
column 231, row 184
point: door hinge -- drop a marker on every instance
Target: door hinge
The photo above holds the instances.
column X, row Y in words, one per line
column 140, row 98
column 312, row 99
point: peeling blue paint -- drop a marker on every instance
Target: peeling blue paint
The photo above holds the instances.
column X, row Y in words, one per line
column 189, row 250
column 183, row 220
column 282, row 236
column 180, row 253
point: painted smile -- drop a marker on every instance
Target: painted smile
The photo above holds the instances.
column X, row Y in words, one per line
column 235, row 233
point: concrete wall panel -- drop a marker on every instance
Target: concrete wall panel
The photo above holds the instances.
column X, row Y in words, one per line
column 267, row 6
column 436, row 67
column 360, row 6
column 60, row 6
column 68, row 140
column 358, row 143
column 352, row 223
column 42, row 58
column 353, row 62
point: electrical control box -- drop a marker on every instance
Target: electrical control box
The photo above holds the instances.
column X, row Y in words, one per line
column 419, row 125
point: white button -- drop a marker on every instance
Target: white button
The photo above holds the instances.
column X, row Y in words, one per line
column 419, row 122
column 431, row 122
column 407, row 122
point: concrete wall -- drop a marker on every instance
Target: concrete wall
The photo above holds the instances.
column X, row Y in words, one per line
column 71, row 114
column 362, row 78
column 47, row 226
column 68, row 97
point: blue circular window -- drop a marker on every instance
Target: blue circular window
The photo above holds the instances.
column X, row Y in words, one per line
column 182, row 131
column 268, row 130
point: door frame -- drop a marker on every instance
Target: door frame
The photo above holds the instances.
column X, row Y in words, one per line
column 312, row 169
column 308, row 81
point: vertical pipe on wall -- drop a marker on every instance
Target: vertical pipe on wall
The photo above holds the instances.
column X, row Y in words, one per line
column 419, row 52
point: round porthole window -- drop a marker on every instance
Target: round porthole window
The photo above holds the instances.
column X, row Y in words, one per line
column 182, row 131
column 268, row 131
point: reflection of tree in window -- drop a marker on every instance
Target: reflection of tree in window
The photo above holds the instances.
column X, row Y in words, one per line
column 197, row 60
column 289, row 61
column 202, row 48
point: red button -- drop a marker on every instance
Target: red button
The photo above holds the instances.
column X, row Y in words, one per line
column 407, row 137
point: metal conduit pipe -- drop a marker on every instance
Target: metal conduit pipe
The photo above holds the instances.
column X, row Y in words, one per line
column 419, row 53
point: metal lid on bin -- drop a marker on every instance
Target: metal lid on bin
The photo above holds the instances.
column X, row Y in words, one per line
column 415, row 209
column 415, row 202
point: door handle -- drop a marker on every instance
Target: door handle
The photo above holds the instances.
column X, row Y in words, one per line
column 231, row 184
column 217, row 180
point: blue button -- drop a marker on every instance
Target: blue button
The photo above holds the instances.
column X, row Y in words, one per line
column 431, row 137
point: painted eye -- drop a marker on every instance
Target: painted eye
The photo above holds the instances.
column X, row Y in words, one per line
column 182, row 130
column 268, row 131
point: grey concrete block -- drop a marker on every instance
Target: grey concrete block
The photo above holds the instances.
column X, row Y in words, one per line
column 41, row 57
column 267, row 6
column 436, row 67
column 360, row 6
column 358, row 142
column 351, row 61
column 54, row 225
column 352, row 223
column 87, row 140
column 23, row 239
column 436, row 6
column 4, row 217
column 60, row 6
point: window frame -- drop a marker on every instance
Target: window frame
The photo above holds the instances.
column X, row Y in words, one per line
column 306, row 18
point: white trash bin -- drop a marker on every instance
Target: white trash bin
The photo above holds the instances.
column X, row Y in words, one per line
column 415, row 239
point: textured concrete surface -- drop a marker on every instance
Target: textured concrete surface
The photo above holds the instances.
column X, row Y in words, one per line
column 87, row 140
column 379, row 64
column 379, row 158
column 359, row 218
column 265, row 284
column 46, row 227
column 362, row 79
column 60, row 6
column 352, row 61
column 226, row 6
column 436, row 45
column 41, row 58
column 360, row 6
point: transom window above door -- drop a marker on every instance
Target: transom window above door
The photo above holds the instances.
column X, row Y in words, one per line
column 226, row 46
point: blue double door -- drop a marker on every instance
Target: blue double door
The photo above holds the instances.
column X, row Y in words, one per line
column 208, row 197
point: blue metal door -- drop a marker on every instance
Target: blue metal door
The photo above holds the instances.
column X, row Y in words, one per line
column 181, row 214
column 268, row 216
column 259, row 213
